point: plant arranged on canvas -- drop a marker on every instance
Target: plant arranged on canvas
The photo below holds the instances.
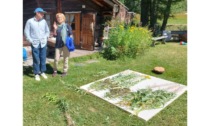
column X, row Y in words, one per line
column 146, row 99
column 119, row 81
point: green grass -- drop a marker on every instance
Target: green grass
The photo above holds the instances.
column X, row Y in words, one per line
column 178, row 19
column 177, row 22
column 88, row 110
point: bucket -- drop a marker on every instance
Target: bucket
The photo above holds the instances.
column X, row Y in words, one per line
column 24, row 54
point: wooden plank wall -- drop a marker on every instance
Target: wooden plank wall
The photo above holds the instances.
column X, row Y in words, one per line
column 50, row 6
column 76, row 5
column 30, row 5
column 122, row 13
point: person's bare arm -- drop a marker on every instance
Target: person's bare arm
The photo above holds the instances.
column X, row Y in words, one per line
column 55, row 28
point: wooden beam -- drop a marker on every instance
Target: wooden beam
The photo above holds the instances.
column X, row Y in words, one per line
column 59, row 6
column 109, row 2
column 91, row 4
column 98, row 3
column 119, row 3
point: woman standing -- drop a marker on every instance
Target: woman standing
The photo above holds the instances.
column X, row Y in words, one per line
column 61, row 31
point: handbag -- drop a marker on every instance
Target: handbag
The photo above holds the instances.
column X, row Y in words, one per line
column 70, row 44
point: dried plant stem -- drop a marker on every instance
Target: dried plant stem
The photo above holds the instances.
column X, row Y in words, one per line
column 69, row 119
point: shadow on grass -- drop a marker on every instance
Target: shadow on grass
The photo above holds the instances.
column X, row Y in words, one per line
column 49, row 69
column 177, row 41
column 28, row 70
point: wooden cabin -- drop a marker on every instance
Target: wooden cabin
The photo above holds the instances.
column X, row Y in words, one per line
column 86, row 17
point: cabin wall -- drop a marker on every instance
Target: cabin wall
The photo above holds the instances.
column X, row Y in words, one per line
column 73, row 5
column 28, row 10
column 122, row 13
column 76, row 5
column 30, row 5
column 66, row 6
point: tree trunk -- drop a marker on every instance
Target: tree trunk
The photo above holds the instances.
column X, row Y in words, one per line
column 154, row 8
column 153, row 13
column 145, row 12
column 166, row 15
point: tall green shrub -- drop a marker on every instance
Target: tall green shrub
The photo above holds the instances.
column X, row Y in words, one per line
column 127, row 41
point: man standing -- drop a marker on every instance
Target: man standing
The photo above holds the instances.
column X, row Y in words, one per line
column 36, row 32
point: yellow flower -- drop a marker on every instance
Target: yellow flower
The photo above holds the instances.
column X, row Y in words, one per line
column 140, row 28
column 131, row 30
column 121, row 27
column 147, row 77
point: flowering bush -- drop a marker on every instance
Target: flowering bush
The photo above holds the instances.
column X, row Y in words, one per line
column 127, row 41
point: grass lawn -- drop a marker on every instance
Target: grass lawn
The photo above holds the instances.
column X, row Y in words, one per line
column 178, row 19
column 88, row 110
column 177, row 22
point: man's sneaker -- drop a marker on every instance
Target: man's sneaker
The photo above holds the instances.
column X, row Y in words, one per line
column 43, row 75
column 37, row 77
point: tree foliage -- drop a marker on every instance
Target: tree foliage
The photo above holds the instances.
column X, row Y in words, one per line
column 152, row 10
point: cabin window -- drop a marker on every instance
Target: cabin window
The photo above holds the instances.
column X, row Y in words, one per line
column 48, row 20
column 70, row 19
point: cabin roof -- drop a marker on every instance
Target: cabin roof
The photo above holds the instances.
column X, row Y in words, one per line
column 108, row 3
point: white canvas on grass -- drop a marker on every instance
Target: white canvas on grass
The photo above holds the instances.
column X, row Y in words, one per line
column 153, row 83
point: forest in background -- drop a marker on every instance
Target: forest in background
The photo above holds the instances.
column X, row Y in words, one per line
column 155, row 13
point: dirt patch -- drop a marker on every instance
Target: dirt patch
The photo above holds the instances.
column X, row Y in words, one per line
column 92, row 61
column 92, row 109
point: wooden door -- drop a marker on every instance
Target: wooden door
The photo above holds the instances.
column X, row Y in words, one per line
column 73, row 19
column 87, row 33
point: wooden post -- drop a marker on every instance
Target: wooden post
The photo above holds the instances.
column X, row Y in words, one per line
column 59, row 7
